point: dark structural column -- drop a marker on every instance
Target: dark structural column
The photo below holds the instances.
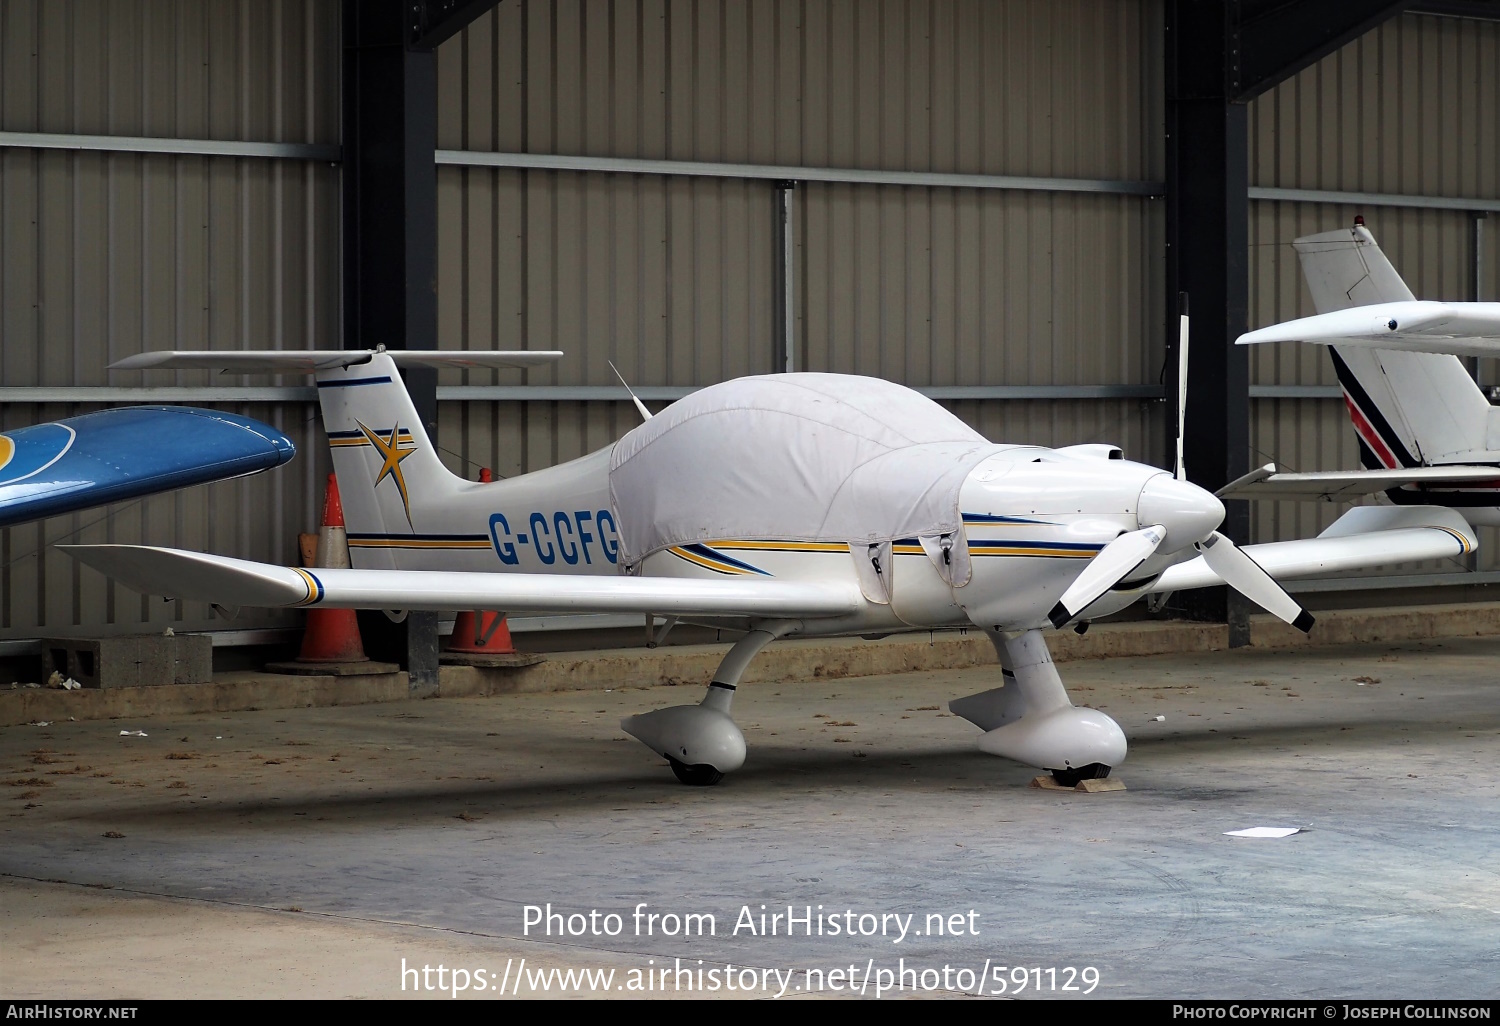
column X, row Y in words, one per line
column 1207, row 239
column 1219, row 56
column 390, row 207
column 784, row 312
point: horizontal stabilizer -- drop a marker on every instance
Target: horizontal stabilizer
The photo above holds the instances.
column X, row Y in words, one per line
column 175, row 573
column 1381, row 536
column 310, row 361
column 1343, row 485
column 1417, row 326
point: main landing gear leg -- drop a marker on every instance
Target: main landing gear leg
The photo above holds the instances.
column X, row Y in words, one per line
column 701, row 741
column 1030, row 718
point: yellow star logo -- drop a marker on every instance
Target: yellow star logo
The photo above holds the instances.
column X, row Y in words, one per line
column 392, row 456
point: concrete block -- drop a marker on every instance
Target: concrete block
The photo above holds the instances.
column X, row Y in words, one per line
column 192, row 659
column 130, row 661
column 155, row 661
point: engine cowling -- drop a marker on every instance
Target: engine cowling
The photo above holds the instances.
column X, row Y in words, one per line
column 1034, row 518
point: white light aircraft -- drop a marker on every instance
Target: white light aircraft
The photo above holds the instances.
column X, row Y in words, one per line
column 1427, row 433
column 797, row 504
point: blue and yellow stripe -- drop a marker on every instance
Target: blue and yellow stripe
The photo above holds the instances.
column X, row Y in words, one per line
column 715, row 555
column 314, row 587
column 1463, row 543
column 1026, row 548
column 419, row 541
column 341, row 439
column 712, row 559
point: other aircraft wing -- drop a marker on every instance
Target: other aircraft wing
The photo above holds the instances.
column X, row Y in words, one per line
column 1364, row 537
column 72, row 464
column 1415, row 325
column 237, row 582
column 1343, row 485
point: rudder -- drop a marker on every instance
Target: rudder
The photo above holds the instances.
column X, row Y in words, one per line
column 389, row 473
column 1408, row 409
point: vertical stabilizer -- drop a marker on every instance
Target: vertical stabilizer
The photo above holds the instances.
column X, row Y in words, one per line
column 1409, row 409
column 389, row 474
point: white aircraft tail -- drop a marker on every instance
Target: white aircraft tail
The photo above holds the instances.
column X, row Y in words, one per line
column 1409, row 409
column 390, row 477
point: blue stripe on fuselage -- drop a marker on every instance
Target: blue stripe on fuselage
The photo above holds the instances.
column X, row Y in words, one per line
column 352, row 382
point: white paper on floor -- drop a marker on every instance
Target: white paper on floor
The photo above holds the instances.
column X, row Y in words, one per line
column 1264, row 832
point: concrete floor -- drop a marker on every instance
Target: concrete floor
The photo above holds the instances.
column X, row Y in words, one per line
column 306, row 852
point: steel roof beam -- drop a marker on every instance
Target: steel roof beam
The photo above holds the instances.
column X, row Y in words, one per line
column 1272, row 40
column 431, row 22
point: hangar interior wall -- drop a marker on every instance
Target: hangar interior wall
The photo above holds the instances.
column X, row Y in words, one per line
column 673, row 278
column 110, row 254
column 107, row 254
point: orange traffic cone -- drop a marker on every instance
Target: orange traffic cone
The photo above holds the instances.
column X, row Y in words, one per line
column 332, row 635
column 481, row 633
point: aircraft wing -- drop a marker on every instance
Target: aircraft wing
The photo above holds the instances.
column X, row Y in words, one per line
column 1344, row 485
column 309, row 361
column 1364, row 537
column 72, row 464
column 1416, row 325
column 175, row 573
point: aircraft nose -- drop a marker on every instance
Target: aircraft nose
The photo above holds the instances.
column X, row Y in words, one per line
column 1188, row 512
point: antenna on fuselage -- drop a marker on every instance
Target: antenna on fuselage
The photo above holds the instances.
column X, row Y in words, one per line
column 1182, row 379
column 645, row 413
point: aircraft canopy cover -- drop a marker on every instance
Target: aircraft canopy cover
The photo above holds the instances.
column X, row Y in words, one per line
column 792, row 457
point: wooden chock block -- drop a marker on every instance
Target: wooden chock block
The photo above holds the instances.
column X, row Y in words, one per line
column 1097, row 785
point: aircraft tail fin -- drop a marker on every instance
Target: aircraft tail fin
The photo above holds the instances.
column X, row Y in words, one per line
column 390, row 476
column 1409, row 409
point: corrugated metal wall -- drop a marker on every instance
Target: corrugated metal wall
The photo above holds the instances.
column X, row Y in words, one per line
column 109, row 254
column 673, row 278
column 1413, row 108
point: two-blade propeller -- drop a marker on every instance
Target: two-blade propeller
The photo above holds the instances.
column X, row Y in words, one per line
column 1121, row 557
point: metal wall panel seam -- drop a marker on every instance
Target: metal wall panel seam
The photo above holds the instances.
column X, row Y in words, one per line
column 550, row 162
column 518, row 393
column 856, row 176
column 329, row 152
column 1374, row 199
column 774, row 172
